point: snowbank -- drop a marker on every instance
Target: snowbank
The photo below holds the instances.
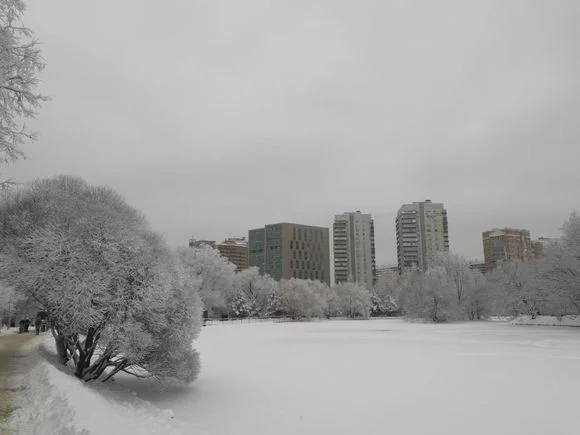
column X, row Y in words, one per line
column 548, row 321
column 58, row 403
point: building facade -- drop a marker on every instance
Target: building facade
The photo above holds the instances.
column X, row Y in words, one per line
column 194, row 243
column 506, row 244
column 287, row 250
column 354, row 248
column 236, row 251
column 422, row 231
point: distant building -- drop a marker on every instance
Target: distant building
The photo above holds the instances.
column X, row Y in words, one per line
column 287, row 250
column 354, row 248
column 193, row 243
column 422, row 231
column 236, row 251
column 506, row 244
column 480, row 267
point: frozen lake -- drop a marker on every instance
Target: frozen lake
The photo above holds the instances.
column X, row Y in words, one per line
column 380, row 376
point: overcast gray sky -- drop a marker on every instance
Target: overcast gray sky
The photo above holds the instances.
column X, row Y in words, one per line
column 217, row 116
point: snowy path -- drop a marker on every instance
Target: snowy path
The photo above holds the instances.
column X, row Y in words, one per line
column 345, row 377
column 12, row 364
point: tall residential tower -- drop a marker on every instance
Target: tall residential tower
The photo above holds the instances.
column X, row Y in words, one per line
column 354, row 248
column 422, row 231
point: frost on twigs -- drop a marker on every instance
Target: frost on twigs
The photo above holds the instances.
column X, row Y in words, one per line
column 20, row 64
column 118, row 299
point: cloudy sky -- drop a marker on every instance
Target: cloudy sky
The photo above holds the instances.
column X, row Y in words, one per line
column 217, row 116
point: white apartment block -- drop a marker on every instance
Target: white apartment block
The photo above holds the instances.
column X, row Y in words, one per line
column 422, row 230
column 354, row 248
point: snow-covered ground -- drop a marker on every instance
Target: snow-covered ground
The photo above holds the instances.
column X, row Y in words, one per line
column 55, row 402
column 331, row 377
column 379, row 376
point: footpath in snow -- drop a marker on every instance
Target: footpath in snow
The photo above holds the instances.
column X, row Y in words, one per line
column 52, row 401
column 12, row 348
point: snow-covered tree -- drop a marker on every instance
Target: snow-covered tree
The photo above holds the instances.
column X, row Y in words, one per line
column 477, row 298
column 20, row 64
column 117, row 298
column 217, row 277
column 9, row 303
column 432, row 297
column 457, row 273
column 275, row 305
column 516, row 287
column 299, row 300
column 354, row 300
column 255, row 289
column 571, row 229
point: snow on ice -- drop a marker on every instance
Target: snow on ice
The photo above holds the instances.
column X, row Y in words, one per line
column 335, row 377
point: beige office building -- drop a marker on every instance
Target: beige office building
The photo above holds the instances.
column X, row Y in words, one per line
column 506, row 244
column 236, row 251
column 287, row 250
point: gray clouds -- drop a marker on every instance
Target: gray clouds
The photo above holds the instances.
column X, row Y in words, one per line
column 214, row 117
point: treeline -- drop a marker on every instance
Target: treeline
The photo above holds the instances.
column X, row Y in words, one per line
column 227, row 294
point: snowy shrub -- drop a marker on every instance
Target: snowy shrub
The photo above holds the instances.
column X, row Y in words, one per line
column 117, row 298
column 354, row 300
column 299, row 300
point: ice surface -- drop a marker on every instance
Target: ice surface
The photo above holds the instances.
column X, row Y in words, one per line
column 379, row 376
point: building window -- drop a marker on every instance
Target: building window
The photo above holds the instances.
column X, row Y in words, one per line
column 291, row 244
column 294, row 273
column 300, row 254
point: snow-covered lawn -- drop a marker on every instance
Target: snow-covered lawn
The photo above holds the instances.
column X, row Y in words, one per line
column 379, row 376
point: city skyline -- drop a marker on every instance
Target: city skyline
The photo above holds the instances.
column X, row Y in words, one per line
column 379, row 246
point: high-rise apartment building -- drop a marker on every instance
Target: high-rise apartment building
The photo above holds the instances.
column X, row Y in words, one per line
column 286, row 251
column 354, row 248
column 506, row 244
column 422, row 230
column 236, row 251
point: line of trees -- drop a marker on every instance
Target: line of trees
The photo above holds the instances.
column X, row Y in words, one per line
column 226, row 293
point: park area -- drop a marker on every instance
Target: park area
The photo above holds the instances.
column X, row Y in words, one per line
column 334, row 377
